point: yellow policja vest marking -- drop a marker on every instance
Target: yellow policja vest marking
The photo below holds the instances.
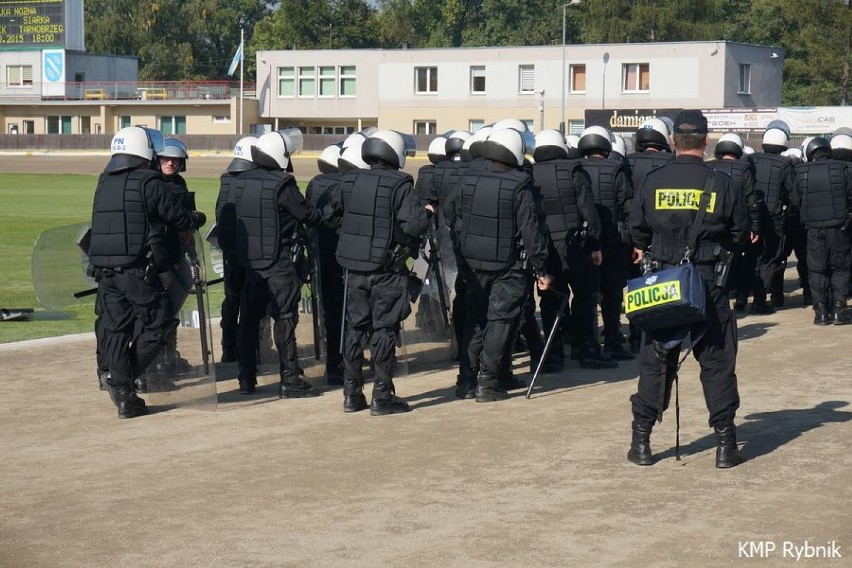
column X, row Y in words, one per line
column 681, row 199
column 653, row 295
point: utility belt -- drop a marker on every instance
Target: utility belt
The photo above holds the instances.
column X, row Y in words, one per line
column 397, row 258
column 148, row 271
column 579, row 236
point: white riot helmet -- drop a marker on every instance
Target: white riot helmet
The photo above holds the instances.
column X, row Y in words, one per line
column 515, row 123
column 327, row 161
column 571, row 140
column 242, row 155
column 729, row 143
column 133, row 146
column 595, row 139
column 654, row 133
column 350, row 159
column 748, row 150
column 619, row 146
column 472, row 147
column 794, row 154
column 455, row 143
column 841, row 144
column 386, row 146
column 505, row 145
column 776, row 137
column 437, row 150
column 273, row 150
column 174, row 148
column 550, row 145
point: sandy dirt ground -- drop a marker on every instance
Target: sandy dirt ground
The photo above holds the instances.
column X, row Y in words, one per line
column 263, row 482
column 538, row 482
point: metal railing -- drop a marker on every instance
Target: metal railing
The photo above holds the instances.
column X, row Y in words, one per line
column 94, row 91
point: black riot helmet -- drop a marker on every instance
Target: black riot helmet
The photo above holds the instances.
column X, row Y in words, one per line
column 818, row 148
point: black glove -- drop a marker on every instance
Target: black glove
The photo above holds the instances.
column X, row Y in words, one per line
column 198, row 219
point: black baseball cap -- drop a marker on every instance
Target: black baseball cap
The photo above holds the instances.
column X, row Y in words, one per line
column 690, row 121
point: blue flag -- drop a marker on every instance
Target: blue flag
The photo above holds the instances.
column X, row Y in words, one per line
column 238, row 57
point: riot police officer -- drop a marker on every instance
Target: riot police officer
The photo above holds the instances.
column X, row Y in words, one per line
column 661, row 217
column 270, row 239
column 824, row 194
column 730, row 160
column 497, row 230
column 773, row 176
column 612, row 189
column 231, row 184
column 436, row 154
column 382, row 222
column 323, row 240
column 131, row 200
column 575, row 232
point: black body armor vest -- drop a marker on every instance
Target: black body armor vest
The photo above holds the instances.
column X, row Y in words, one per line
column 555, row 179
column 258, row 231
column 768, row 178
column 823, row 190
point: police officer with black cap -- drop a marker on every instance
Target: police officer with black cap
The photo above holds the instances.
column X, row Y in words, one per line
column 382, row 223
column 270, row 216
column 661, row 217
column 824, row 195
column 575, row 231
column 231, row 184
column 497, row 230
column 131, row 198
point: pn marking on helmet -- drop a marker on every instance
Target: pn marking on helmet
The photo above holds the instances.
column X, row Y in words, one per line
column 681, row 199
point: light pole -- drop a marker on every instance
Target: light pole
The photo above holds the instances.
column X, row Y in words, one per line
column 562, row 88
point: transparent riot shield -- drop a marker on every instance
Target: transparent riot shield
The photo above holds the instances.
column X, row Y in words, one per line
column 183, row 375
column 60, row 268
column 428, row 335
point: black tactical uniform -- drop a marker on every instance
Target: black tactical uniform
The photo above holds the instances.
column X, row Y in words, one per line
column 382, row 222
column 773, row 176
column 741, row 172
column 270, row 239
column 575, row 231
column 325, row 239
column 231, row 184
column 134, row 314
column 824, row 195
column 494, row 218
column 661, row 217
column 611, row 186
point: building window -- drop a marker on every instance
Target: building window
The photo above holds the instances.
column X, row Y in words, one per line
column 477, row 79
column 745, row 79
column 530, row 124
column 426, row 79
column 59, row 125
column 29, row 127
column 475, row 124
column 222, row 119
column 576, row 127
column 123, row 121
column 19, row 75
column 286, row 81
column 85, row 125
column 526, row 78
column 425, row 127
column 578, row 78
column 637, row 77
column 173, row 125
column 347, row 80
column 307, row 81
column 327, row 82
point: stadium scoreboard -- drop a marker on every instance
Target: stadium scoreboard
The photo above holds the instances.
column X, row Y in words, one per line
column 29, row 24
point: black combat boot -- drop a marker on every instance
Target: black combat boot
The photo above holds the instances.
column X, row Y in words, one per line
column 465, row 387
column 616, row 351
column 355, row 402
column 761, row 308
column 640, row 446
column 839, row 314
column 247, row 384
column 129, row 405
column 389, row 405
column 590, row 357
column 485, row 394
column 821, row 314
column 727, row 452
column 229, row 355
column 294, row 386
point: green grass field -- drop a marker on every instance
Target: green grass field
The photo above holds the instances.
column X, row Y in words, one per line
column 33, row 203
